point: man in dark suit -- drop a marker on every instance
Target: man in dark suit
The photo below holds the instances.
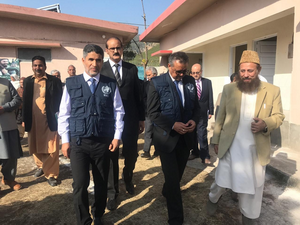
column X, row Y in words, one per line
column 206, row 103
column 172, row 107
column 150, row 73
column 41, row 99
column 126, row 75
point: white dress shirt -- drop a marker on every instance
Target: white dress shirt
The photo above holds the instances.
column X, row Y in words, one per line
column 112, row 64
column 180, row 86
column 65, row 112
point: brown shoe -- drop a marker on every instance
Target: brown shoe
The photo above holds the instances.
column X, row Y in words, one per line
column 12, row 184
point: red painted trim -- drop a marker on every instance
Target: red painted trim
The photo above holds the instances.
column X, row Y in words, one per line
column 162, row 52
column 175, row 5
column 29, row 44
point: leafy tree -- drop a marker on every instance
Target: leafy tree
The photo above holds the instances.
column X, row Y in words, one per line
column 128, row 53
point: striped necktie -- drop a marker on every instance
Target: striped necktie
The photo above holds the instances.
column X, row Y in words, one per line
column 198, row 89
column 117, row 75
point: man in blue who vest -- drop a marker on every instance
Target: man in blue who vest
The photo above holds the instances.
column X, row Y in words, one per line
column 90, row 123
column 173, row 108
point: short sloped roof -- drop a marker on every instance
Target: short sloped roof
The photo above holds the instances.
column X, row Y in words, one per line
column 62, row 19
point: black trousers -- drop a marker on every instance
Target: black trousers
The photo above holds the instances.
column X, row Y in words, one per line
column 129, row 151
column 130, row 154
column 201, row 138
column 113, row 179
column 173, row 165
column 92, row 151
column 9, row 168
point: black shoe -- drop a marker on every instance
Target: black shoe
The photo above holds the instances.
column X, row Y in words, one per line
column 146, row 155
column 111, row 204
column 156, row 154
column 192, row 156
column 247, row 221
column 39, row 172
column 98, row 221
column 130, row 188
column 52, row 181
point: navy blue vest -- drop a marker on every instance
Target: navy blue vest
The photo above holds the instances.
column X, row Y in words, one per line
column 169, row 100
column 91, row 114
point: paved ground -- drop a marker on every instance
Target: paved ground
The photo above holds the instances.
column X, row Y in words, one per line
column 38, row 203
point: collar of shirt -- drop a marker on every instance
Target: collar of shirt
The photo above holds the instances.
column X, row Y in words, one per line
column 112, row 63
column 87, row 77
column 45, row 76
column 180, row 82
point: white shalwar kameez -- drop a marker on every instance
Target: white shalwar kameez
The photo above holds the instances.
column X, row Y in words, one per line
column 239, row 169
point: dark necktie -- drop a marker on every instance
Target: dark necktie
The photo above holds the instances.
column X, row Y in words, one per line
column 92, row 86
column 177, row 88
column 117, row 75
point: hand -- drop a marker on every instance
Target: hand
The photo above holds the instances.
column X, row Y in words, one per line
column 209, row 116
column 65, row 148
column 190, row 126
column 216, row 148
column 114, row 145
column 23, row 124
column 180, row 128
column 258, row 125
column 1, row 110
column 141, row 126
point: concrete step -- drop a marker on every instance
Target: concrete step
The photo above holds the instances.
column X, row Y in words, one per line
column 284, row 165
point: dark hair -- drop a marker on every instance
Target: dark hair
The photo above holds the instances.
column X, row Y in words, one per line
column 116, row 38
column 38, row 57
column 232, row 76
column 181, row 56
column 92, row 48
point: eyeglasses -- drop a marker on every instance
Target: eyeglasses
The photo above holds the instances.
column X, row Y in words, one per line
column 179, row 72
column 195, row 73
column 116, row 48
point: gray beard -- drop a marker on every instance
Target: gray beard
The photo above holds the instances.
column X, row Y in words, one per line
column 247, row 87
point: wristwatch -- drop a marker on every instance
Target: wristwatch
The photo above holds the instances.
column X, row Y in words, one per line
column 265, row 129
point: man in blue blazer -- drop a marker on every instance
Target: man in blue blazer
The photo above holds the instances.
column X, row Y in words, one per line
column 173, row 108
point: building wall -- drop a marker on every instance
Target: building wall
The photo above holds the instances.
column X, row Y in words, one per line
column 217, row 55
column 223, row 19
column 217, row 64
column 72, row 41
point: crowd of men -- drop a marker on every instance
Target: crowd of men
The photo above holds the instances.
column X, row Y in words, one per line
column 106, row 104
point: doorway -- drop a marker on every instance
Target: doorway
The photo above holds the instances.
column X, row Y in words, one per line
column 266, row 50
column 236, row 53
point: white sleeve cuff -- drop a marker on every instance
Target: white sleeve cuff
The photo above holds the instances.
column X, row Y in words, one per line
column 118, row 135
column 65, row 138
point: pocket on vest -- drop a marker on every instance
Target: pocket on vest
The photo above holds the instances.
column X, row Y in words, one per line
column 77, row 126
column 75, row 91
column 78, row 107
column 166, row 104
